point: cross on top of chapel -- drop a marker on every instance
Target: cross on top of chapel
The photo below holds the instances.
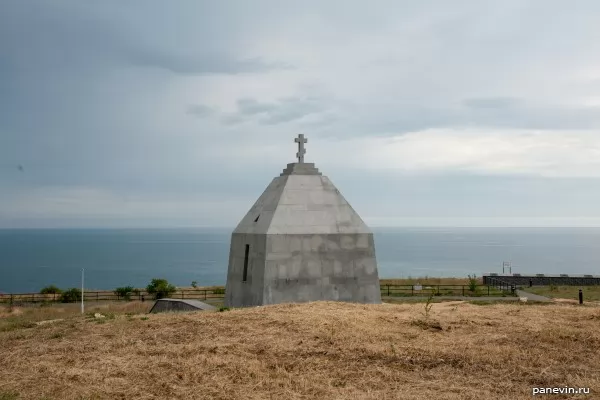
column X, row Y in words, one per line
column 301, row 150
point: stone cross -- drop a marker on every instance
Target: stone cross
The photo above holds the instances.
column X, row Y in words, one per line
column 301, row 150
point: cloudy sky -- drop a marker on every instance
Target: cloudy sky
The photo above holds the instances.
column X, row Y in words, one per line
column 430, row 113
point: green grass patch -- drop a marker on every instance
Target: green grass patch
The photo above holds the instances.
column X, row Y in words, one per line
column 9, row 395
column 11, row 324
column 590, row 293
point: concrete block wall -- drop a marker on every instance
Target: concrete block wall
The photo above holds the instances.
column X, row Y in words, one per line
column 313, row 267
column 238, row 292
column 302, row 268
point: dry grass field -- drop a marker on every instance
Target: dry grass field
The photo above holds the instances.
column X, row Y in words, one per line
column 319, row 350
column 590, row 293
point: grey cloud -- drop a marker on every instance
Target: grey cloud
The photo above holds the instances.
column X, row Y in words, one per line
column 200, row 110
column 284, row 110
column 82, row 87
column 252, row 106
column 63, row 38
column 511, row 113
column 492, row 102
column 495, row 112
column 187, row 64
column 292, row 109
column 232, row 119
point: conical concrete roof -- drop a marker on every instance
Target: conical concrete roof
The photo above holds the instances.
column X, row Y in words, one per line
column 301, row 201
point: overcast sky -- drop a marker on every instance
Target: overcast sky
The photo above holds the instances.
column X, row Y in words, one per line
column 180, row 113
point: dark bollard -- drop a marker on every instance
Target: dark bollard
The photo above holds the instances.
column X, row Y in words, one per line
column 530, row 282
column 580, row 296
column 142, row 298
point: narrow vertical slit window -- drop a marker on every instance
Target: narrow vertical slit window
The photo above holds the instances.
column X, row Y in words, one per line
column 245, row 273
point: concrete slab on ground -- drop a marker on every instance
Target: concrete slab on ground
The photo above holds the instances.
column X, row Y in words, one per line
column 165, row 305
column 532, row 297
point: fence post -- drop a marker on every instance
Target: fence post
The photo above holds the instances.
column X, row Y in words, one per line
column 488, row 290
column 204, row 294
column 463, row 289
column 388, row 287
column 182, row 293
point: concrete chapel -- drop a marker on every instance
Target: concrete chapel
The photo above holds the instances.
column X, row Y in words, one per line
column 301, row 241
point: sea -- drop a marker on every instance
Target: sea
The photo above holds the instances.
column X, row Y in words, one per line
column 33, row 258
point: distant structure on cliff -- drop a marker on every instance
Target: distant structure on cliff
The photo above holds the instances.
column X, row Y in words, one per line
column 301, row 241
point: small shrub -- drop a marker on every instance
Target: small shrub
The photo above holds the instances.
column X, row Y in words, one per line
column 124, row 292
column 553, row 288
column 144, row 318
column 218, row 291
column 223, row 309
column 429, row 303
column 57, row 335
column 194, row 284
column 51, row 290
column 71, row 296
column 472, row 283
column 160, row 288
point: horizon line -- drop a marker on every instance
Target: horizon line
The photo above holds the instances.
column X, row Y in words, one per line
column 233, row 227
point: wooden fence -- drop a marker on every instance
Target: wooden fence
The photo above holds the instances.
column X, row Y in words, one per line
column 219, row 293
column 103, row 295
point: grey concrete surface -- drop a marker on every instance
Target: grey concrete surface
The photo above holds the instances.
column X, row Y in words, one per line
column 531, row 296
column 166, row 305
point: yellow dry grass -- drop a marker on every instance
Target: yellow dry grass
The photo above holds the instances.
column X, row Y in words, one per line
column 320, row 350
column 41, row 312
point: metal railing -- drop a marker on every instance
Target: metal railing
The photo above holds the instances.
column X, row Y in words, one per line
column 501, row 285
column 441, row 290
